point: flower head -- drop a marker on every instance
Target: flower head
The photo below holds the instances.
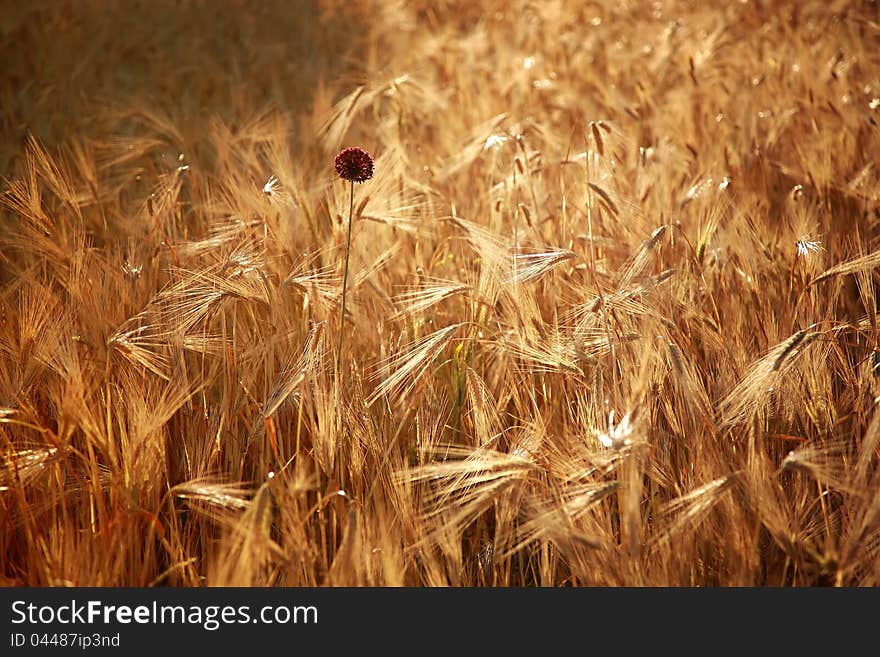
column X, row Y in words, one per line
column 494, row 140
column 807, row 245
column 270, row 186
column 354, row 164
column 618, row 436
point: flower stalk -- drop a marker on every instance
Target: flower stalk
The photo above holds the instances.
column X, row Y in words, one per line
column 354, row 165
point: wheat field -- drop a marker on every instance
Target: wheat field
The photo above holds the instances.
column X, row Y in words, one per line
column 611, row 318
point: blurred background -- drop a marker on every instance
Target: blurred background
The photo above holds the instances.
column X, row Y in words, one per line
column 70, row 67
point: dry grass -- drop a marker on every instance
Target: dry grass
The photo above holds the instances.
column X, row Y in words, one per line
column 612, row 312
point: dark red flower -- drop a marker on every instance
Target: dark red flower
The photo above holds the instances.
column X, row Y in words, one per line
column 354, row 164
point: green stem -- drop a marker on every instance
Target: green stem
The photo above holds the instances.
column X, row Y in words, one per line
column 345, row 278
